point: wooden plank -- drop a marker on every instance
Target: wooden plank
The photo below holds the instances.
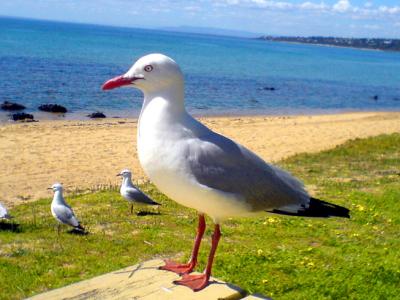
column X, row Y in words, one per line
column 142, row 281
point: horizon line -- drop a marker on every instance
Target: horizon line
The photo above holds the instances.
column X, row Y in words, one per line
column 170, row 29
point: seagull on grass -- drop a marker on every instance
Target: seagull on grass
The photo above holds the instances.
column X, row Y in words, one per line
column 202, row 169
column 4, row 215
column 131, row 193
column 61, row 211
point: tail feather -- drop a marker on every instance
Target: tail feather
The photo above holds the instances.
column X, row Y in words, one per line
column 80, row 228
column 155, row 203
column 317, row 208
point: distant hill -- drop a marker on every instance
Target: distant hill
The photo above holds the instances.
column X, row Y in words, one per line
column 211, row 31
column 365, row 43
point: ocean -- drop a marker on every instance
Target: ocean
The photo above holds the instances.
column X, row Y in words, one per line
column 64, row 63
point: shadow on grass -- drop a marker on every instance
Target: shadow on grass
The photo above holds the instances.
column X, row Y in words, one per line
column 78, row 232
column 147, row 213
column 9, row 226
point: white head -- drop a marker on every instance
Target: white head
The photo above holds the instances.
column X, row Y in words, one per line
column 150, row 73
column 125, row 173
column 56, row 187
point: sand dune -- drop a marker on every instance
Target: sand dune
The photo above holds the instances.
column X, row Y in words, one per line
column 86, row 155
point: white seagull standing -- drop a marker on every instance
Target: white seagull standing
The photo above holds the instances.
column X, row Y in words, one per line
column 202, row 169
column 4, row 213
column 61, row 211
column 131, row 193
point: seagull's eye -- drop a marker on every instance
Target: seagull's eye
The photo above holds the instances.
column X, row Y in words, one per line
column 148, row 68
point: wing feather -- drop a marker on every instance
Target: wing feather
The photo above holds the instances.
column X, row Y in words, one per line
column 66, row 215
column 137, row 195
column 222, row 164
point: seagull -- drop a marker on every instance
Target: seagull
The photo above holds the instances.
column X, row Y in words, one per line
column 202, row 169
column 4, row 215
column 61, row 211
column 131, row 193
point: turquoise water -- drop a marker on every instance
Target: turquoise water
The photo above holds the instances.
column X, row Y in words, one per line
column 49, row 62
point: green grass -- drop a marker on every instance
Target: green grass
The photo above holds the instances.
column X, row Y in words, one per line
column 278, row 256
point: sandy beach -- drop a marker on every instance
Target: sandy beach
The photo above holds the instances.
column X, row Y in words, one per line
column 86, row 155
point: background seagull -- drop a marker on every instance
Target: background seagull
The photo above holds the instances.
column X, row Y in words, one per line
column 4, row 213
column 61, row 211
column 202, row 169
column 131, row 193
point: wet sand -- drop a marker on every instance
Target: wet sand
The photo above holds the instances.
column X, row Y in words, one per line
column 86, row 155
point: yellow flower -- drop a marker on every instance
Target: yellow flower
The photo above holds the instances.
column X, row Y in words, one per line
column 360, row 207
column 264, row 280
column 272, row 220
column 310, row 264
column 259, row 252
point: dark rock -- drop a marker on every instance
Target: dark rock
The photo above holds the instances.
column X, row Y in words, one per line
column 22, row 117
column 55, row 108
column 12, row 106
column 268, row 88
column 97, row 115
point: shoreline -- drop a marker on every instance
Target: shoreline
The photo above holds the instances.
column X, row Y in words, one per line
column 335, row 46
column 85, row 155
column 116, row 115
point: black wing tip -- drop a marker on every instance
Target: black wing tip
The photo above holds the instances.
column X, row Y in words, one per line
column 80, row 228
column 318, row 209
column 333, row 209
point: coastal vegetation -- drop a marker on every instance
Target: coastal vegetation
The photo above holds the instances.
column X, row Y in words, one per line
column 364, row 43
column 278, row 256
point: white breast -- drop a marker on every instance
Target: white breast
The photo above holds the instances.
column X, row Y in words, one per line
column 161, row 151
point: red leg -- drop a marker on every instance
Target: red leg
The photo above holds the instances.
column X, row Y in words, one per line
column 187, row 268
column 198, row 282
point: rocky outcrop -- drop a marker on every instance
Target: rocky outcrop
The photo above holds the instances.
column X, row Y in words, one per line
column 54, row 108
column 11, row 106
column 96, row 115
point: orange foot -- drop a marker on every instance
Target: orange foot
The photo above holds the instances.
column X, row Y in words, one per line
column 195, row 282
column 177, row 267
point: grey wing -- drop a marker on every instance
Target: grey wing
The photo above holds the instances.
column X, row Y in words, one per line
column 66, row 215
column 222, row 164
column 137, row 195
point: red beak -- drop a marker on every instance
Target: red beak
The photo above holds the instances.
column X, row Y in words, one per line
column 116, row 82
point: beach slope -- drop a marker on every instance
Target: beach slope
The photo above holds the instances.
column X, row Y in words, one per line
column 86, row 155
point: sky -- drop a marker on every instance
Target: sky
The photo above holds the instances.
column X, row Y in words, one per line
column 347, row 18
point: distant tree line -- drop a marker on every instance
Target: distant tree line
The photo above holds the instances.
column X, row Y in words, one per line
column 367, row 43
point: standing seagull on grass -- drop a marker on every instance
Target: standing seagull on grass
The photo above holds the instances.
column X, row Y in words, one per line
column 61, row 211
column 131, row 193
column 4, row 213
column 202, row 169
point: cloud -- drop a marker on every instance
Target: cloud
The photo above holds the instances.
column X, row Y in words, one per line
column 390, row 10
column 371, row 27
column 192, row 8
column 368, row 4
column 314, row 6
column 342, row 6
